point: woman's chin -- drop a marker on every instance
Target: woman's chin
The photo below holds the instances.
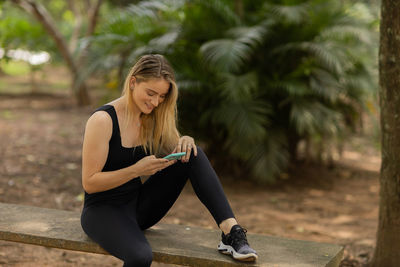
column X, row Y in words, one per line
column 147, row 111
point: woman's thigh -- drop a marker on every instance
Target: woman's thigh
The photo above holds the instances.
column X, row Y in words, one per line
column 117, row 232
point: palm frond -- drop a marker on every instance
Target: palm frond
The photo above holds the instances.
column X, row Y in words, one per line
column 253, row 36
column 293, row 88
column 311, row 118
column 164, row 5
column 327, row 54
column 245, row 122
column 118, row 23
column 238, row 87
column 221, row 9
column 226, row 54
column 268, row 158
column 148, row 8
column 159, row 44
column 324, row 84
column 231, row 54
column 360, row 84
column 291, row 13
column 348, row 33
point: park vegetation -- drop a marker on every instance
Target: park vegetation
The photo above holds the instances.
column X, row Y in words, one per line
column 263, row 84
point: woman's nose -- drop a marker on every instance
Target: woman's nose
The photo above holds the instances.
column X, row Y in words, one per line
column 155, row 101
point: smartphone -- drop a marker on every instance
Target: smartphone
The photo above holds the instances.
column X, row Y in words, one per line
column 175, row 156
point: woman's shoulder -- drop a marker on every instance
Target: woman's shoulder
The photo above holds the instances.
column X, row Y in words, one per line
column 98, row 128
column 100, row 120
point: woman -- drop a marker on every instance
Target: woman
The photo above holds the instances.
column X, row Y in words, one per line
column 127, row 139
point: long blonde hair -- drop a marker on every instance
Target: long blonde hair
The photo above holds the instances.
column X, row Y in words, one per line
column 158, row 132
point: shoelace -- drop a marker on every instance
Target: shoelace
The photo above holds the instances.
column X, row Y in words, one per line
column 239, row 237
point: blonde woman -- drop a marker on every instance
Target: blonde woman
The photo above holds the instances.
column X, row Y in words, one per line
column 126, row 139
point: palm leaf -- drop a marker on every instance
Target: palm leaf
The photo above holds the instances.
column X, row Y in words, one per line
column 221, row 9
column 252, row 36
column 147, row 9
column 232, row 54
column 311, row 118
column 348, row 32
column 159, row 44
column 293, row 88
column 226, row 54
column 291, row 13
column 325, row 84
column 268, row 158
column 238, row 87
column 328, row 54
column 245, row 122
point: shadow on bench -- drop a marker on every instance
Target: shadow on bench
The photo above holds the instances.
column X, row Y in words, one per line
column 174, row 244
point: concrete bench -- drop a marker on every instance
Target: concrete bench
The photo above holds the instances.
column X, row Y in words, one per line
column 173, row 244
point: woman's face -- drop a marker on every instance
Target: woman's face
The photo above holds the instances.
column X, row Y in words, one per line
column 147, row 95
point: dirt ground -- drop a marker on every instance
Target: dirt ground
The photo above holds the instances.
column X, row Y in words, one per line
column 40, row 151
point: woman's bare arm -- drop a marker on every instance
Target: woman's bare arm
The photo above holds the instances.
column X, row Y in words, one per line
column 98, row 133
column 94, row 155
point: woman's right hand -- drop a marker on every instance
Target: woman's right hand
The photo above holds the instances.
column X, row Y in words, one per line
column 150, row 165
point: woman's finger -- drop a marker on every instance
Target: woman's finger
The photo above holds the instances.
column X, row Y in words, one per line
column 179, row 147
column 183, row 149
column 188, row 150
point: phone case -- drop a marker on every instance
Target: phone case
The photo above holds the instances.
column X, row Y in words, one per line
column 175, row 155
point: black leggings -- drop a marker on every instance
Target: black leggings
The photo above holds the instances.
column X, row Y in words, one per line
column 118, row 228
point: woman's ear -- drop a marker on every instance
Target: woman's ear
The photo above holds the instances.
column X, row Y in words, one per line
column 132, row 83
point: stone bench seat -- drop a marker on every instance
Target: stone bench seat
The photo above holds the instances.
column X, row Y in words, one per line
column 173, row 244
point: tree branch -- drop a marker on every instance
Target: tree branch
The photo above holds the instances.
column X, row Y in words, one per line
column 77, row 25
column 92, row 22
column 93, row 17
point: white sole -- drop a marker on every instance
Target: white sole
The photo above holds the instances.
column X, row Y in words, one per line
column 228, row 250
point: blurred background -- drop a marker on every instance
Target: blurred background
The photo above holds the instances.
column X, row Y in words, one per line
column 281, row 94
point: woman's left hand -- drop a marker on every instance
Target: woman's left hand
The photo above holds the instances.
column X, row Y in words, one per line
column 186, row 144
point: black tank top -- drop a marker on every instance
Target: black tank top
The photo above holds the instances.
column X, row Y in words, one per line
column 119, row 157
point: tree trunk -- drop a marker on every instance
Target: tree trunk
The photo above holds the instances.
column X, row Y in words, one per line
column 40, row 13
column 388, row 234
column 81, row 93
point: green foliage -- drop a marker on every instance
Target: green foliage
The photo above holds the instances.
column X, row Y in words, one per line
column 313, row 62
column 129, row 32
column 18, row 30
column 253, row 84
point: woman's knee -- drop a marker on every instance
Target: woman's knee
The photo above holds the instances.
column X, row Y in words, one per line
column 200, row 153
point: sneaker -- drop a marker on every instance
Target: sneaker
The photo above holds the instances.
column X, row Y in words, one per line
column 235, row 244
